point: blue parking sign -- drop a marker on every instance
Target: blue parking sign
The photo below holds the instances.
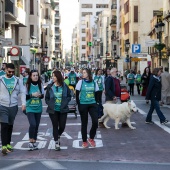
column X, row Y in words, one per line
column 136, row 48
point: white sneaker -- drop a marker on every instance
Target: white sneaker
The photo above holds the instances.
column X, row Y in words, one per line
column 57, row 147
column 35, row 146
column 31, row 146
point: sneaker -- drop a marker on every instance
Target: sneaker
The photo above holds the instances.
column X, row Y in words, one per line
column 10, row 148
column 57, row 146
column 92, row 142
column 4, row 150
column 149, row 122
column 164, row 122
column 31, row 146
column 85, row 145
column 147, row 101
column 35, row 146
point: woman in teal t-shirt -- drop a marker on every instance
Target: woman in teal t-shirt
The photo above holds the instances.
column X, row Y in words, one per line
column 86, row 97
column 57, row 98
column 138, row 81
column 100, row 82
column 35, row 92
column 131, row 82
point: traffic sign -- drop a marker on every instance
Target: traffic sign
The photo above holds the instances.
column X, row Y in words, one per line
column 136, row 48
column 14, row 51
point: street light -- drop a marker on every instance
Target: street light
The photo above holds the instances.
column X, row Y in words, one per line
column 127, row 46
column 159, row 29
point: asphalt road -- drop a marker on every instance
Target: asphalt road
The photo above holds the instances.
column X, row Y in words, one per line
column 147, row 147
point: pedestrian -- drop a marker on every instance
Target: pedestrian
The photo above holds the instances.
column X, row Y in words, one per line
column 100, row 82
column 25, row 76
column 138, row 81
column 2, row 71
column 131, row 82
column 72, row 76
column 10, row 87
column 165, row 80
column 154, row 94
column 87, row 99
column 145, row 81
column 107, row 73
column 112, row 87
column 34, row 94
column 57, row 98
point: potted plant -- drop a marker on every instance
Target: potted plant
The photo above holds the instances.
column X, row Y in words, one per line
column 159, row 46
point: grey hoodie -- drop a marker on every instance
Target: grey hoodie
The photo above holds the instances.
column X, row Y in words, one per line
column 8, row 100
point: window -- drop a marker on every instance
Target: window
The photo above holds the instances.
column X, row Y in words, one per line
column 102, row 5
column 83, row 31
column 135, row 37
column 83, row 47
column 31, row 30
column 83, row 14
column 83, row 38
column 126, row 7
column 31, row 7
column 135, row 13
column 87, row 5
column 126, row 26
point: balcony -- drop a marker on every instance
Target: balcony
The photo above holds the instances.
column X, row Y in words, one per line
column 113, row 21
column 57, row 41
column 9, row 11
column 57, row 16
column 47, row 2
column 114, row 6
column 56, row 8
column 57, row 33
column 56, row 1
column 2, row 31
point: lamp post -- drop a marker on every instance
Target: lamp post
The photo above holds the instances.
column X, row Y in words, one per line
column 127, row 46
column 46, row 50
column 159, row 29
column 32, row 43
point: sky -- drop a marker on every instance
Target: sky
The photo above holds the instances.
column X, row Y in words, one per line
column 69, row 18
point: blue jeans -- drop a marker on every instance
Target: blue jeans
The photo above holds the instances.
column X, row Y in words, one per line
column 155, row 105
column 34, row 121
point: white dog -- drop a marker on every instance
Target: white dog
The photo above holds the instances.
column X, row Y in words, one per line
column 118, row 112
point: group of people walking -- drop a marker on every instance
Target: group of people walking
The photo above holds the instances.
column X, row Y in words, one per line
column 89, row 89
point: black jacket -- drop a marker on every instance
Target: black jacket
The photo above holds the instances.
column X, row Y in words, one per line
column 110, row 88
column 145, row 79
column 154, row 89
column 50, row 99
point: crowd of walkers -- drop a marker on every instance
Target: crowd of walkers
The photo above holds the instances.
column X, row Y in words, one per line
column 89, row 85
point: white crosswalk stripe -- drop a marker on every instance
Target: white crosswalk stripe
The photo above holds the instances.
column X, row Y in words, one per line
column 17, row 165
column 52, row 165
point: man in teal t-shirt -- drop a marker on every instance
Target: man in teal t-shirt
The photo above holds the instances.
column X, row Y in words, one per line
column 2, row 71
column 131, row 81
column 9, row 83
column 72, row 78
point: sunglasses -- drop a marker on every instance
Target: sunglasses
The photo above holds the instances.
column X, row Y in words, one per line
column 11, row 72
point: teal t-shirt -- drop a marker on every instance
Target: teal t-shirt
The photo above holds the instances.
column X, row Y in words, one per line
column 72, row 78
column 138, row 78
column 99, row 81
column 87, row 93
column 132, row 80
column 58, row 96
column 34, row 105
column 25, row 80
column 9, row 82
column 2, row 72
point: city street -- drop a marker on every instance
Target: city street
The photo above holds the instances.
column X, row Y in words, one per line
column 147, row 147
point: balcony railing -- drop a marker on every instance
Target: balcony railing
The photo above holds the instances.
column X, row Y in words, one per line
column 114, row 6
column 9, row 6
column 113, row 20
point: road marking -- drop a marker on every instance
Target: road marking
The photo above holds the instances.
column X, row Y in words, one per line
column 141, row 111
column 73, row 124
column 17, row 165
column 44, row 115
column 43, row 124
column 53, row 165
column 16, row 133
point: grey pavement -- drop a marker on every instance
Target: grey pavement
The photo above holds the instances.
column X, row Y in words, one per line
column 147, row 147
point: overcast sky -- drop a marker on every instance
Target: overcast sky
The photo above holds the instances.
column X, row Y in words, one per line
column 69, row 18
